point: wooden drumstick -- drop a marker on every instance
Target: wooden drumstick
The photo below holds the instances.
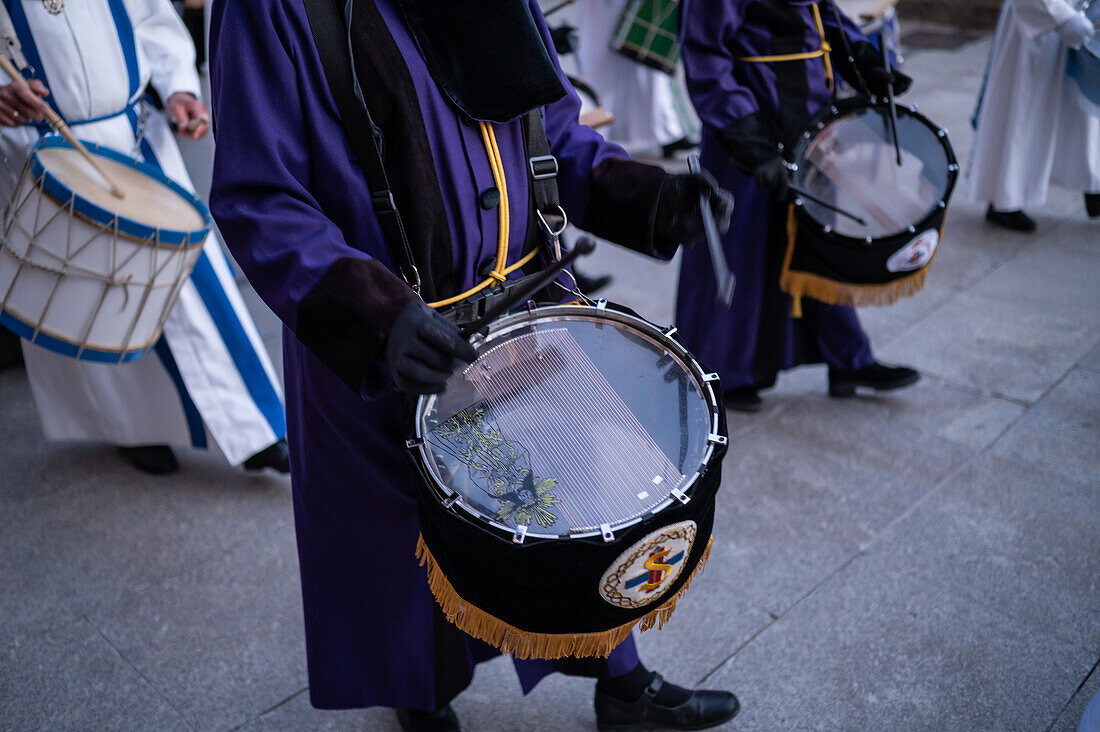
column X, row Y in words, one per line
column 59, row 124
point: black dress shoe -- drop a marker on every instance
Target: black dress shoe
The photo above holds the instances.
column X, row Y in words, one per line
column 1011, row 220
column 1092, row 205
column 276, row 457
column 877, row 376
column 11, row 350
column 684, row 143
column 414, row 720
column 745, row 399
column 153, row 459
column 702, row 710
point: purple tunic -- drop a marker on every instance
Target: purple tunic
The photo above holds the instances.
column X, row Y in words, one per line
column 290, row 202
column 750, row 342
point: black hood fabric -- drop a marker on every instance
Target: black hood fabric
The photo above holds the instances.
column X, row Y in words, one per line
column 486, row 55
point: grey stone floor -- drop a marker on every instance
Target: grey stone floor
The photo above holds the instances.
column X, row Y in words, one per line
column 927, row 560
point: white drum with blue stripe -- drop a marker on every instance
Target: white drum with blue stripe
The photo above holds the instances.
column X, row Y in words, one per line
column 84, row 273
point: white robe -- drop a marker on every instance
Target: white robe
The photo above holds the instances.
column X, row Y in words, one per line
column 1034, row 126
column 213, row 385
column 642, row 99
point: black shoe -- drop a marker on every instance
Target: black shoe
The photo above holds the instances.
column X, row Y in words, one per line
column 11, row 350
column 414, row 720
column 1092, row 205
column 702, row 710
column 877, row 376
column 1011, row 220
column 684, row 143
column 276, row 457
column 153, row 459
column 745, row 399
column 591, row 285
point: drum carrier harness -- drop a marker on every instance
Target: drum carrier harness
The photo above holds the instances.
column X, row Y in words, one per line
column 547, row 220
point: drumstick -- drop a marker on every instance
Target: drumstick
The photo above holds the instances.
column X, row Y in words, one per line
column 890, row 96
column 585, row 245
column 59, row 124
column 824, row 204
column 724, row 280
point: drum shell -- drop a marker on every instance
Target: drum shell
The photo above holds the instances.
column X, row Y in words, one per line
column 648, row 32
column 552, row 586
column 81, row 281
column 856, row 261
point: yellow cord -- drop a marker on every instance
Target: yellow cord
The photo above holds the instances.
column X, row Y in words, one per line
column 822, row 52
column 500, row 272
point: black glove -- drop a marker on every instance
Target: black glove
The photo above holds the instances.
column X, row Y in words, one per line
column 564, row 38
column 421, row 349
column 878, row 78
column 679, row 217
column 773, row 176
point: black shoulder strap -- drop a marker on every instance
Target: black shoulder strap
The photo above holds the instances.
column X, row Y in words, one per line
column 333, row 45
column 542, row 167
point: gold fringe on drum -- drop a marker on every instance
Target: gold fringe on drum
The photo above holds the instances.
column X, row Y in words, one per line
column 522, row 644
column 800, row 284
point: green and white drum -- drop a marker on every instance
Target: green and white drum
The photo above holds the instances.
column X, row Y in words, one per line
column 649, row 33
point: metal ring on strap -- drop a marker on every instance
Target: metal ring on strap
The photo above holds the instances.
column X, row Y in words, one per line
column 550, row 229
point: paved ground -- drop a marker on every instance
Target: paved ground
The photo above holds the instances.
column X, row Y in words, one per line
column 928, row 560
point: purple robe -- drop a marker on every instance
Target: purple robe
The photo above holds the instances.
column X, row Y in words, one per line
column 749, row 343
column 295, row 211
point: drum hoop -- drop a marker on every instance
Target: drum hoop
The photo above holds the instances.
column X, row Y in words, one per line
column 95, row 214
column 452, row 501
column 16, row 322
column 844, row 108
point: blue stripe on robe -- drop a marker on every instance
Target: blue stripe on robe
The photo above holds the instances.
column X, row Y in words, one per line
column 190, row 411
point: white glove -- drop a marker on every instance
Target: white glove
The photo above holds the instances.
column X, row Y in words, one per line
column 1076, row 31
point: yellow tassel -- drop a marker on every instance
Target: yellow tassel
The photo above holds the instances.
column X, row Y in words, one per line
column 522, row 644
column 839, row 293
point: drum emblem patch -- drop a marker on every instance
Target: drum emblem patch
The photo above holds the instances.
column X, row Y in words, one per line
column 645, row 571
column 915, row 254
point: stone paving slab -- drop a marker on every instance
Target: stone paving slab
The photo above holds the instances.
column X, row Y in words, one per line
column 73, row 679
column 1061, row 434
column 1016, row 539
column 1055, row 279
column 32, row 468
column 1070, row 716
column 67, row 552
column 876, row 650
column 1007, row 351
column 222, row 642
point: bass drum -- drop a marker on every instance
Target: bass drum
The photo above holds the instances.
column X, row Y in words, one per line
column 568, row 480
column 88, row 275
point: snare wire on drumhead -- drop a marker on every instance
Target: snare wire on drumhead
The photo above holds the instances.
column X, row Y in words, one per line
column 534, row 400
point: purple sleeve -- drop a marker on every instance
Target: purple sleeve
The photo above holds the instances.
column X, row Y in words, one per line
column 267, row 100
column 705, row 44
column 602, row 190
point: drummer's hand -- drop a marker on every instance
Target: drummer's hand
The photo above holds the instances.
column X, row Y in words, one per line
column 191, row 116
column 1077, row 31
column 679, row 217
column 18, row 105
column 878, row 79
column 773, row 176
column 422, row 348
